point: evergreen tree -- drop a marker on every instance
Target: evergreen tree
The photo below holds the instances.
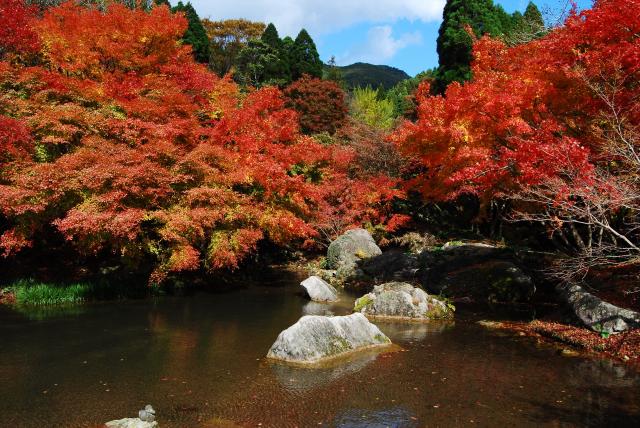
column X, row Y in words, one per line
column 271, row 37
column 259, row 64
column 455, row 43
column 305, row 58
column 287, row 53
column 527, row 27
column 196, row 35
column 483, row 17
column 334, row 73
column 533, row 16
column 272, row 57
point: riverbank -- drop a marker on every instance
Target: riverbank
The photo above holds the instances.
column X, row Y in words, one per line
column 575, row 340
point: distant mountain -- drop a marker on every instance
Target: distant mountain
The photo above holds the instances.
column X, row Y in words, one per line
column 361, row 74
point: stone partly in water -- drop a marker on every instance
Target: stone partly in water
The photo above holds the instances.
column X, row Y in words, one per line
column 318, row 290
column 148, row 414
column 402, row 301
column 131, row 423
column 347, row 250
column 597, row 314
column 314, row 339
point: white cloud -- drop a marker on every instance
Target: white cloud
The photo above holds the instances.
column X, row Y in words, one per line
column 320, row 16
column 380, row 46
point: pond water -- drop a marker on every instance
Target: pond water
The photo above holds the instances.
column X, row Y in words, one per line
column 200, row 361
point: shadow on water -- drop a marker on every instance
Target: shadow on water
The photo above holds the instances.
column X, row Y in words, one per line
column 201, row 359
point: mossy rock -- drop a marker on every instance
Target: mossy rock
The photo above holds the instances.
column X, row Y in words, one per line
column 403, row 301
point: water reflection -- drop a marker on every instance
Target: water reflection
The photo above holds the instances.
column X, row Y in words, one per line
column 304, row 378
column 386, row 418
column 40, row 313
column 605, row 373
column 398, row 331
column 315, row 308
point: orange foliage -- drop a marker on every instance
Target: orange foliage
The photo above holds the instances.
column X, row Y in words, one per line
column 531, row 114
column 123, row 143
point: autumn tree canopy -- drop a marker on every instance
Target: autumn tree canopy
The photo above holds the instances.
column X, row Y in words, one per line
column 321, row 104
column 462, row 21
column 227, row 38
column 116, row 139
column 551, row 125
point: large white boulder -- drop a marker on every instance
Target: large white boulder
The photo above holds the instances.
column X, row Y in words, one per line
column 319, row 290
column 316, row 338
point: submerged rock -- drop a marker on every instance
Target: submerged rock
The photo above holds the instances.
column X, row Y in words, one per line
column 131, row 423
column 316, row 338
column 319, row 290
column 347, row 250
column 399, row 300
column 597, row 314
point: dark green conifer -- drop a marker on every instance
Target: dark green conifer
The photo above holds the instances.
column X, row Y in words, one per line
column 455, row 43
column 305, row 58
column 271, row 37
column 196, row 35
column 533, row 16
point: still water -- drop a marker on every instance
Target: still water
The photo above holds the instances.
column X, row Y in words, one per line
column 200, row 361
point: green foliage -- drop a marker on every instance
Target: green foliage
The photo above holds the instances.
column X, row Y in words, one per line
column 402, row 95
column 271, row 37
column 454, row 41
column 377, row 76
column 196, row 35
column 368, row 107
column 304, row 57
column 526, row 27
column 362, row 303
column 265, row 62
column 532, row 15
column 259, row 64
column 30, row 292
column 275, row 61
column 483, row 17
column 227, row 38
column 334, row 73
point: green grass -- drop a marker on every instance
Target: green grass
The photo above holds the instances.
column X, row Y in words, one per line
column 30, row 292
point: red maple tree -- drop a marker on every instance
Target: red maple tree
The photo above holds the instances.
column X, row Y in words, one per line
column 115, row 137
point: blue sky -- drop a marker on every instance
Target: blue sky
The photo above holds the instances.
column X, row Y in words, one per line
column 400, row 33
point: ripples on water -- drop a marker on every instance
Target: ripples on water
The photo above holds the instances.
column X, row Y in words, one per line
column 199, row 361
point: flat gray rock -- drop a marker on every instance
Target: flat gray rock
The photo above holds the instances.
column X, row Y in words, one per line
column 319, row 290
column 402, row 301
column 131, row 423
column 345, row 252
column 597, row 314
column 316, row 338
